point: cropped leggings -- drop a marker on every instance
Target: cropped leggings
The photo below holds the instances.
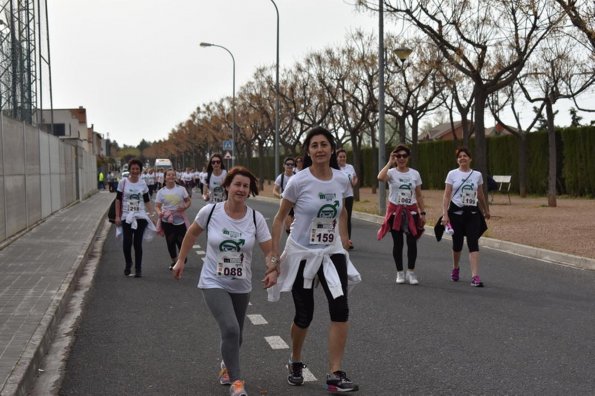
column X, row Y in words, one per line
column 174, row 235
column 303, row 299
column 465, row 224
column 229, row 310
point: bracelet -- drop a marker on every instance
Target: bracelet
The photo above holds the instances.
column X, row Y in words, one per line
column 274, row 260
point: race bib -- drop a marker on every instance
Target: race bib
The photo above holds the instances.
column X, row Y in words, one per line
column 218, row 195
column 405, row 197
column 231, row 265
column 469, row 198
column 133, row 205
column 322, row 231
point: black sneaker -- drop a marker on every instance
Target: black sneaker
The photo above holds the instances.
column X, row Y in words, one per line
column 338, row 382
column 138, row 274
column 295, row 377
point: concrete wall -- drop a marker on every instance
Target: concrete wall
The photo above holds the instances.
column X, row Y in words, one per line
column 39, row 175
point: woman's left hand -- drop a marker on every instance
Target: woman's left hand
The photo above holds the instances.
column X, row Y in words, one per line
column 270, row 279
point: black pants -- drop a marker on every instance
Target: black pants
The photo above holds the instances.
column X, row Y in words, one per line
column 134, row 238
column 174, row 235
column 303, row 299
column 398, row 249
column 349, row 209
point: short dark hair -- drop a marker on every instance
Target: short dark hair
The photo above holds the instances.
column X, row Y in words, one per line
column 401, row 147
column 288, row 159
column 463, row 149
column 341, row 150
column 135, row 161
column 242, row 171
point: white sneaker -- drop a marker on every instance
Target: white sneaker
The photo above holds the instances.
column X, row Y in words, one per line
column 400, row 277
column 411, row 278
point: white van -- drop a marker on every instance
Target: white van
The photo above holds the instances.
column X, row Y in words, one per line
column 163, row 164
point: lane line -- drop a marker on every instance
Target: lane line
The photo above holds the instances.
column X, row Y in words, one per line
column 276, row 342
column 257, row 319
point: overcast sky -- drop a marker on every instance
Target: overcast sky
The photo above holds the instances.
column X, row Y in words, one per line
column 137, row 67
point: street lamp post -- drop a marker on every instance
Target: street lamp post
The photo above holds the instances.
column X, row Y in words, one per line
column 277, row 98
column 233, row 101
column 381, row 142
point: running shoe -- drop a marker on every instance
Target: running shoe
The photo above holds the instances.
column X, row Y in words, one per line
column 454, row 275
column 476, row 282
column 411, row 278
column 400, row 277
column 296, row 376
column 338, row 382
column 224, row 375
column 237, row 389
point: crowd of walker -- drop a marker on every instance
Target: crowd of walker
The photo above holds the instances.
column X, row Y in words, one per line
column 316, row 193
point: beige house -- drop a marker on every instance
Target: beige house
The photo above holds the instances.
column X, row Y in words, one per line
column 448, row 131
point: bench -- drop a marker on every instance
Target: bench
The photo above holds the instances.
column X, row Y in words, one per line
column 503, row 186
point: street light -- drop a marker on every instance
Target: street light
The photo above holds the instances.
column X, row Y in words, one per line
column 403, row 54
column 233, row 101
column 277, row 98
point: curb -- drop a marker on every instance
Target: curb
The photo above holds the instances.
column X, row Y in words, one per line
column 565, row 259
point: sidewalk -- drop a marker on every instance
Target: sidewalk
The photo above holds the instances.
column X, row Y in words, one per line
column 39, row 270
column 37, row 275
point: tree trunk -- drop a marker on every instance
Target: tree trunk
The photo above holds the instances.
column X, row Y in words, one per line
column 551, row 138
column 523, row 161
column 480, row 160
column 261, row 165
column 414, row 141
column 356, row 163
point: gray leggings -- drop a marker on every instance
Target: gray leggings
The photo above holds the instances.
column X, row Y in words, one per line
column 229, row 310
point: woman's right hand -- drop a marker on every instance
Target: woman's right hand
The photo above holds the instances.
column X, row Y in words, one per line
column 178, row 269
column 445, row 219
column 118, row 221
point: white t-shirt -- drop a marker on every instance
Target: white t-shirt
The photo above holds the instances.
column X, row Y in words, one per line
column 132, row 196
column 187, row 176
column 230, row 238
column 216, row 190
column 172, row 199
column 401, row 186
column 466, row 193
column 314, row 201
column 349, row 170
column 285, row 181
column 150, row 179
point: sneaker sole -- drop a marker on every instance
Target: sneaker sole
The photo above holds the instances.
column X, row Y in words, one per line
column 295, row 383
column 334, row 389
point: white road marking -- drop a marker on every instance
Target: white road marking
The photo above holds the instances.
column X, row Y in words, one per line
column 196, row 247
column 199, row 252
column 276, row 342
column 308, row 376
column 257, row 319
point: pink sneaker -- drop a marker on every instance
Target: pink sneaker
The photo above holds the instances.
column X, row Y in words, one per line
column 454, row 275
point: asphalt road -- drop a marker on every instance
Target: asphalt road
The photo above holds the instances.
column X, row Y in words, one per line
column 529, row 331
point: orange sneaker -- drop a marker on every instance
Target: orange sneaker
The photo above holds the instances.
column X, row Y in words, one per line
column 237, row 389
column 224, row 375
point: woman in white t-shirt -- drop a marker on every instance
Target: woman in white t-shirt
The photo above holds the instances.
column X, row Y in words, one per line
column 213, row 190
column 405, row 216
column 463, row 204
column 349, row 170
column 133, row 208
column 316, row 248
column 171, row 204
column 233, row 229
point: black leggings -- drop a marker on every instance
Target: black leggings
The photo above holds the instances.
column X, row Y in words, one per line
column 303, row 299
column 174, row 235
column 129, row 236
column 467, row 225
column 398, row 249
column 349, row 209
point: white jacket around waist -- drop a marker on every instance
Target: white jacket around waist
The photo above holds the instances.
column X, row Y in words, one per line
column 294, row 253
column 131, row 218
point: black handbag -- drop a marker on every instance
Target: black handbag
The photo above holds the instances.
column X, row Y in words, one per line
column 111, row 212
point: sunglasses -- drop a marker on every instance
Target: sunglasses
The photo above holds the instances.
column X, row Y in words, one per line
column 289, row 164
column 401, row 155
column 215, row 162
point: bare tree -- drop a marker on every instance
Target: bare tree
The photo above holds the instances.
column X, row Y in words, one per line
column 582, row 15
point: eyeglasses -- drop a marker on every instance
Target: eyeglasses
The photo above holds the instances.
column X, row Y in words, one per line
column 401, row 155
column 215, row 162
column 289, row 164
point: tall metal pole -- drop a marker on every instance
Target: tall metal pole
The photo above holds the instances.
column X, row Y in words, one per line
column 233, row 101
column 381, row 142
column 277, row 99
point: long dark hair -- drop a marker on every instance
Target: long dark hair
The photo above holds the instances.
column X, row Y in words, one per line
column 210, row 166
column 315, row 131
